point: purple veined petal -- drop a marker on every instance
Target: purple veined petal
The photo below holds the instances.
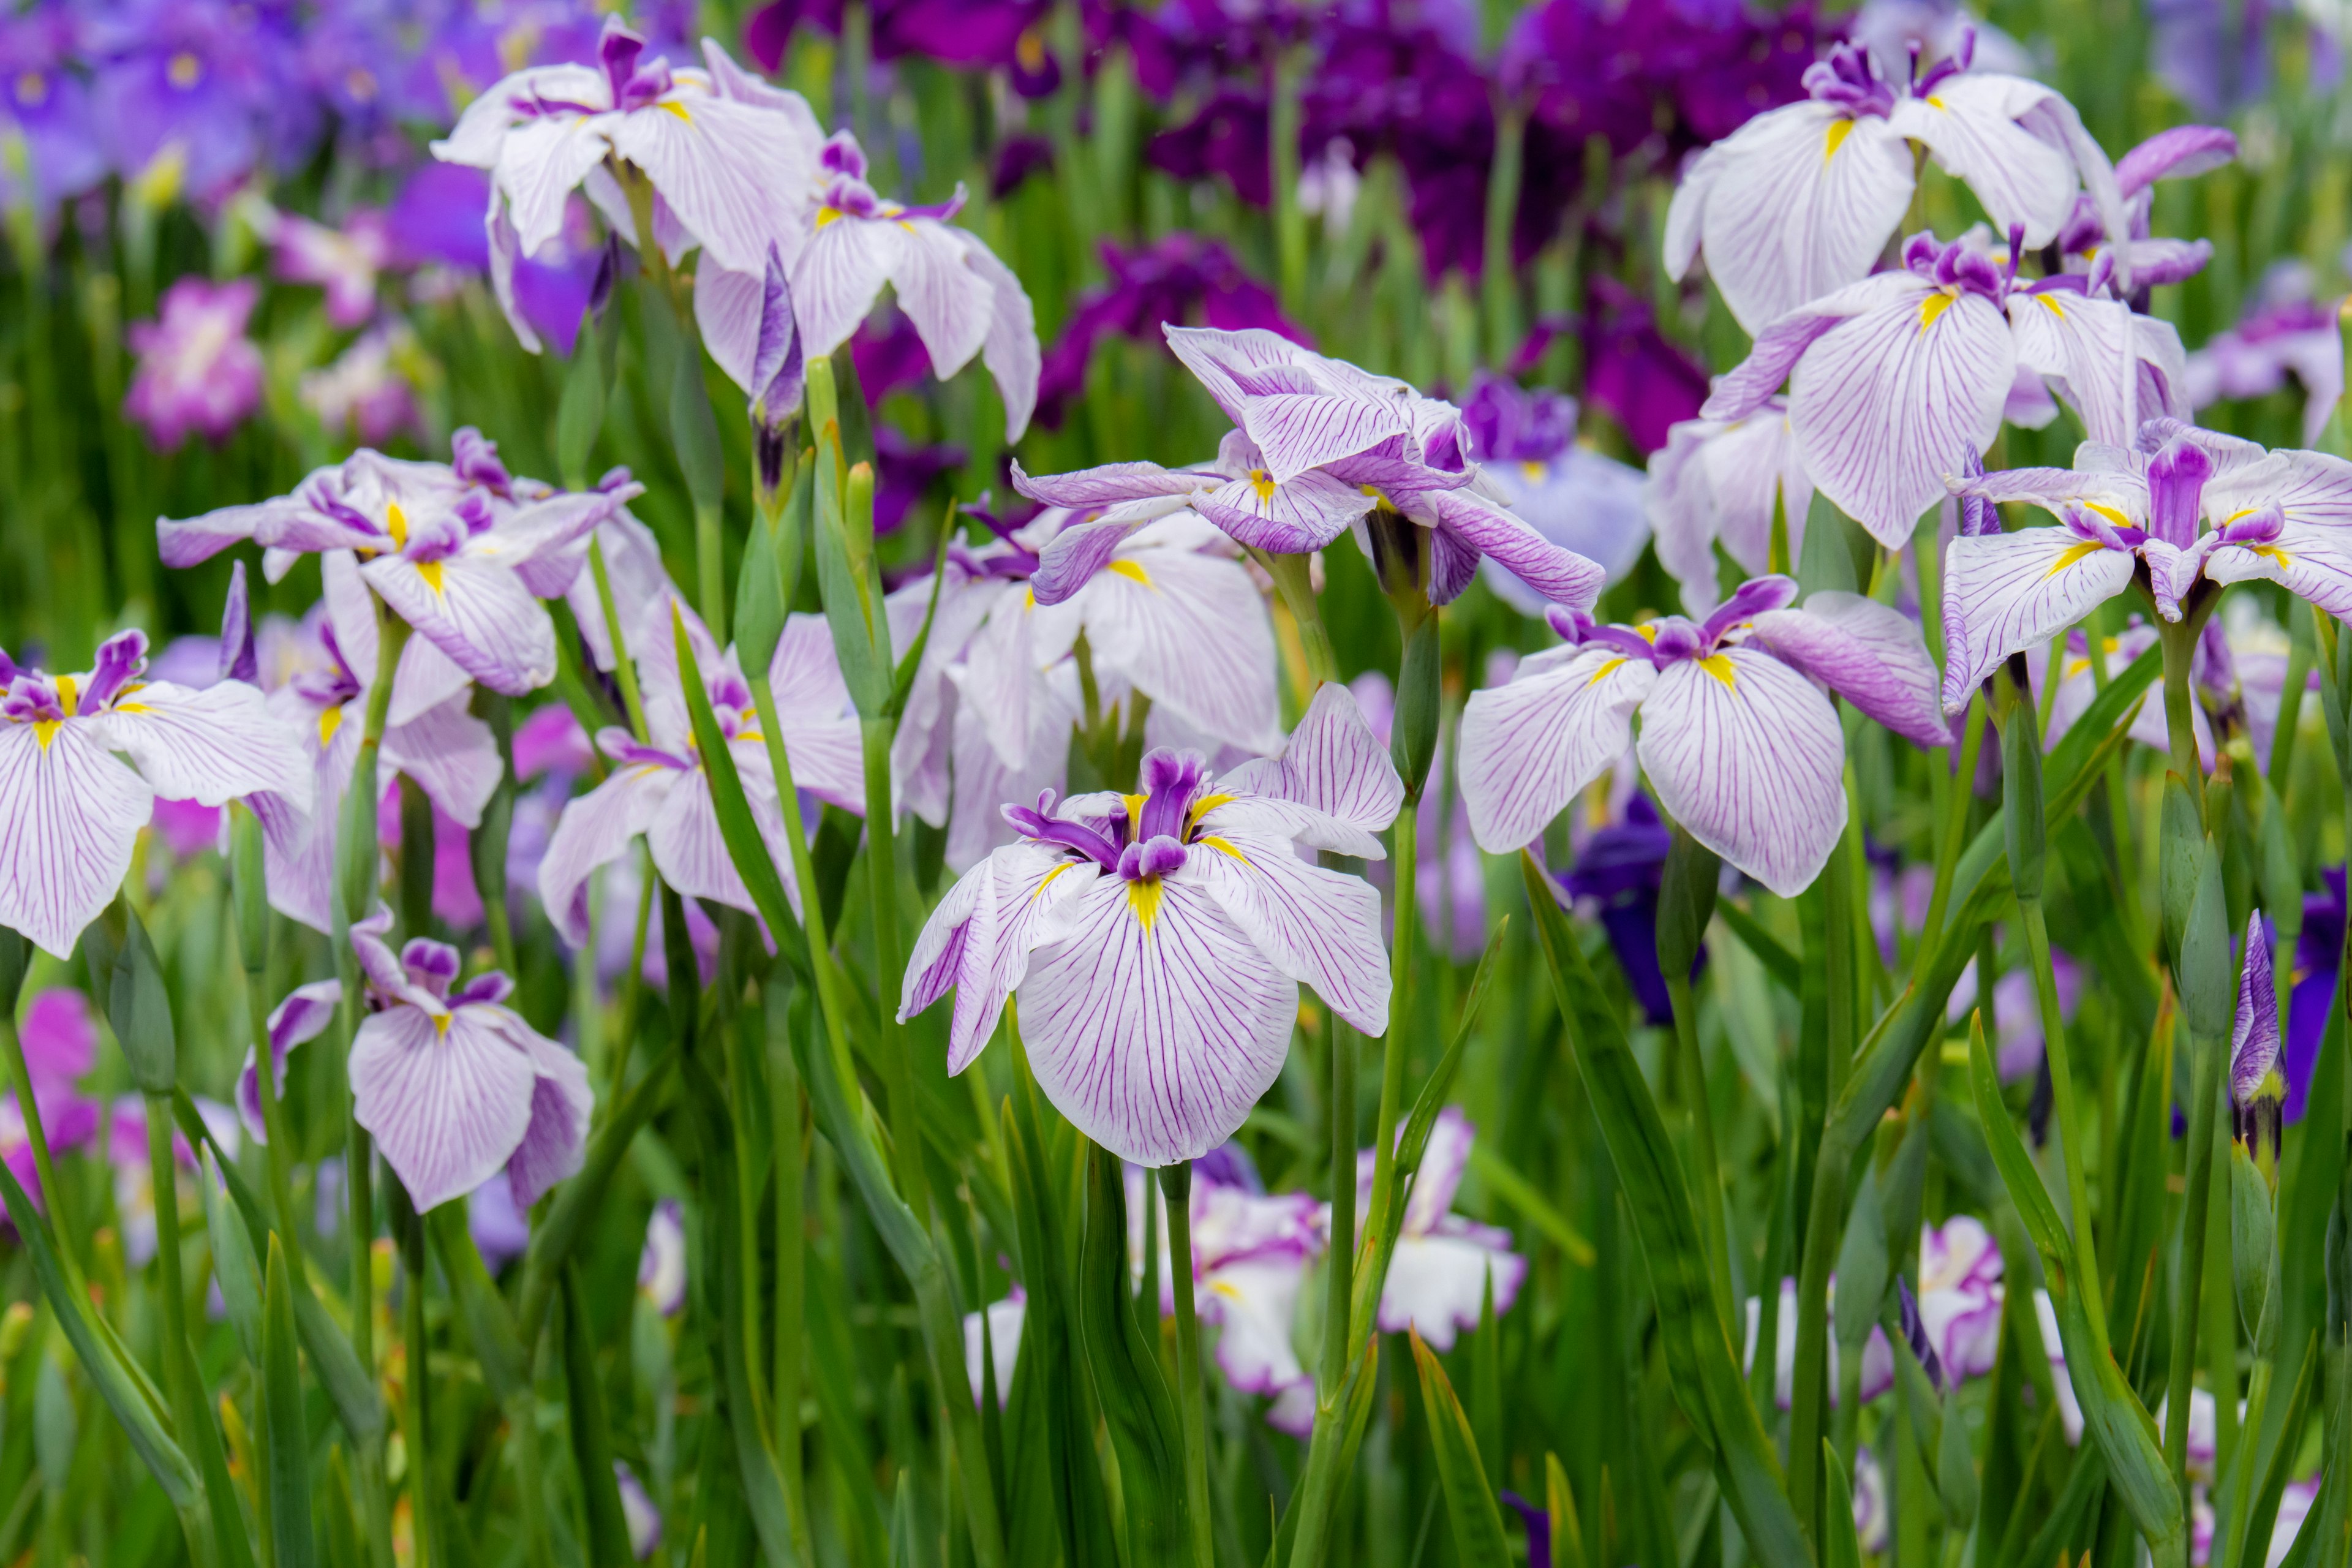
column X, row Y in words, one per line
column 283, row 522
column 2120, row 496
column 506, row 250
column 1887, row 403
column 1009, row 350
column 949, row 303
column 555, row 1142
column 426, row 677
column 2178, row 154
column 210, row 747
column 1152, row 1023
column 1220, row 359
column 595, row 830
column 1254, row 1301
column 719, row 166
column 1319, row 927
column 2029, row 405
column 633, row 566
column 1189, row 631
column 2313, row 562
column 1301, row 409
column 1443, row 1161
column 452, row 756
column 1867, row 653
column 2005, row 591
column 727, row 306
column 1560, row 576
column 1744, row 752
column 2308, row 487
column 1001, row 1342
column 1332, row 767
column 1290, row 517
column 691, row 855
column 2156, row 262
column 1437, row 1283
column 300, row 1018
column 2054, row 121
column 446, row 1105
column 1527, row 747
column 2090, row 345
column 545, row 542
column 1751, row 383
column 978, row 941
column 838, row 275
column 982, row 783
column 1004, row 665
column 1073, row 556
column 732, row 81
column 541, row 163
column 68, row 816
column 2254, row 1037
column 1719, row 481
column 1796, row 204
column 477, row 612
column 386, row 971
column 1109, row 484
column 821, row 733
column 1970, row 125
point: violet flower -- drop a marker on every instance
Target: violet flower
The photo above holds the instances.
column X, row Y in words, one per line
column 1901, row 379
column 1157, row 945
column 197, row 370
column 1799, row 202
column 1718, row 482
column 2278, row 516
column 46, row 104
column 2318, row 957
column 59, row 1039
column 1877, row 1354
column 365, row 394
column 190, row 94
column 296, row 1020
column 346, row 262
column 659, row 788
column 637, row 1511
column 1742, row 748
column 2285, row 330
column 461, row 551
column 73, row 812
column 2181, row 152
column 1620, row 866
column 2257, row 1089
column 455, row 1086
column 1959, row 1297
column 501, row 1231
column 1525, row 443
column 2018, row 1048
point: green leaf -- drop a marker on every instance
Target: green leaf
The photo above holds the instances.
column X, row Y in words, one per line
column 2206, row 973
column 1699, row 1355
column 1469, row 1500
column 580, row 416
column 1779, row 963
column 288, row 1493
column 1841, row 1548
column 2025, row 828
column 1559, row 1507
column 694, row 431
column 592, row 1443
column 234, row 1268
column 1129, row 1383
column 126, row 976
column 1685, row 901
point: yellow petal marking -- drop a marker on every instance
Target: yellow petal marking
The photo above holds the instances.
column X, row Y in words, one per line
column 1839, row 130
column 45, row 730
column 1143, row 899
column 69, row 696
column 1201, row 807
column 1029, row 600
column 1648, row 630
column 2055, row 309
column 441, row 1024
column 2112, row 515
column 1534, row 472
column 1604, row 669
column 330, row 720
column 1935, row 305
column 1048, row 880
column 1935, row 103
column 826, row 215
column 1134, row 811
column 1719, row 666
column 1131, row 572
column 431, row 572
column 1214, row 842
column 2278, row 556
column 396, row 523
column 2071, row 554
column 677, row 109
column 1263, row 483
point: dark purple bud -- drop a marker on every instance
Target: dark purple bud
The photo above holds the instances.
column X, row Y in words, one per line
column 475, row 458
column 1979, row 516
column 608, row 273
column 1915, row 1332
column 237, row 659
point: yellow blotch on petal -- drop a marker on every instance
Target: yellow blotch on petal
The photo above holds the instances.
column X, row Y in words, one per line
column 1048, row 880
column 2071, row 554
column 1839, row 130
column 1604, row 669
column 1131, row 572
column 1935, row 103
column 2051, row 302
column 441, row 1022
column 677, row 109
column 1201, row 807
column 330, row 720
column 45, row 730
column 2113, row 514
column 1935, row 305
column 1719, row 666
column 396, row 523
column 826, row 215
column 1134, row 811
column 1143, row 900
column 69, row 696
column 431, row 572
column 2271, row 553
column 1263, row 483
column 1214, row 842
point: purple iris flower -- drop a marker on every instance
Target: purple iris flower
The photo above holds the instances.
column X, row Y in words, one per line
column 1017, row 158
column 474, row 47
column 1632, row 373
column 2285, row 330
column 2256, row 1086
column 969, row 34
column 1718, row 481
column 60, row 1038
column 1158, row 943
column 69, row 812
column 190, row 94
column 2215, row 57
column 197, row 370
column 432, row 221
column 2184, row 505
column 2319, row 955
column 48, row 105
column 1227, row 135
column 1181, row 280
column 1622, row 868
column 1741, row 745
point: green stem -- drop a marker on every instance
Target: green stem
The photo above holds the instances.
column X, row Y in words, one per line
column 890, row 959
column 1176, row 1185
column 2203, row 1116
column 2179, row 652
column 187, row 1395
column 2070, row 1124
column 1289, row 221
column 785, row 1119
column 1407, row 916
column 1339, row 1265
column 1501, row 279
column 2289, row 712
column 1291, row 580
column 1956, row 824
column 424, row 1518
column 624, row 673
column 710, row 560
column 1707, row 1180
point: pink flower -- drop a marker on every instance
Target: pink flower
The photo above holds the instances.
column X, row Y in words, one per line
column 197, row 370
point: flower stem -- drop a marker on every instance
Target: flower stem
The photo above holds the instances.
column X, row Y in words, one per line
column 424, row 1516
column 624, row 673
column 2070, row 1124
column 1292, row 580
column 1384, row 1172
column 1956, row 824
column 890, row 959
column 1707, row 1180
column 1339, row 1267
column 1176, row 1185
column 2179, row 640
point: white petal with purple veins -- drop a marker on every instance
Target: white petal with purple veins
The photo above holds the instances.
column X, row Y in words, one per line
column 1745, row 753
column 979, row 939
column 2307, row 487
column 477, row 612
column 727, row 313
column 302, row 1017
column 1303, row 410
column 211, row 745
column 1560, row 575
column 1333, row 787
column 1152, row 1023
column 595, row 830
column 1319, row 926
column 1253, row 1301
column 541, row 163
column 1190, row 632
column 692, row 854
column 839, row 273
column 981, row 783
column 1969, row 124
column 719, row 166
column 1291, row 517
column 1010, row 351
column 1108, row 485
column 949, row 304
column 68, row 816
column 2089, row 345
column 1866, row 652
column 452, row 756
column 1445, row 1160
column 555, row 1144
column 2313, row 562
column 1527, row 747
column 446, row 1105
column 2005, row 591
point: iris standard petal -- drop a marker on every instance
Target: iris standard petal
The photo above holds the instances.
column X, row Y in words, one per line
column 1970, row 125
column 727, row 306
column 719, row 165
column 302, row 1017
column 1318, row 926
column 446, row 1103
column 1526, row 747
column 596, row 830
column 1301, row 409
column 2088, row 344
column 1108, row 484
column 977, row 940
column 1333, row 787
column 545, row 542
column 1868, row 653
column 210, row 745
column 1745, row 753
column 69, row 816
column 2005, row 591
column 1151, row 1022
column 477, row 612
column 839, row 273
column 1190, row 631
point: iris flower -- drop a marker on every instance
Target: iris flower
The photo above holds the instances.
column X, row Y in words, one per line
column 1799, row 202
column 59, row 1038
column 1877, row 1354
column 461, row 551
column 1901, row 379
column 454, row 1085
column 2257, row 1089
column 1157, row 939
column 73, row 812
column 1438, row 1276
column 661, row 1267
column 1001, row 1337
column 1959, row 1298
column 1740, row 746
column 714, row 161
column 2133, row 514
column 1717, row 481
column 2178, row 153
column 1171, row 613
column 197, row 368
column 1320, row 445
column 1525, row 443
column 658, row 788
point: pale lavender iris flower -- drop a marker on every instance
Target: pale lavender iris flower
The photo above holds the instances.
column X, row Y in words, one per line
column 1740, row 744
column 2180, row 153
column 1445, row 1262
column 714, row 161
column 462, row 551
column 1525, row 444
column 197, row 368
column 659, row 787
column 452, row 1084
column 2286, row 330
column 999, row 1339
column 1797, row 202
column 1877, row 1354
column 1157, row 941
column 1718, row 482
column 661, row 1267
column 1902, row 378
column 2079, row 682
column 1959, row 1297
column 1321, row 446
column 2177, row 508
column 70, row 812
column 300, row 1018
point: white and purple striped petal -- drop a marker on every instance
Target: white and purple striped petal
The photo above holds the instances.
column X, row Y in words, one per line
column 1527, row 747
column 446, row 1101
column 2005, row 591
column 477, row 612
column 69, row 815
column 1333, row 787
column 300, row 1018
column 1867, row 653
column 1320, row 927
column 977, row 940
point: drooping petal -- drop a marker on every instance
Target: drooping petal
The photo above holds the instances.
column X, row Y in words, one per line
column 1868, row 653
column 839, row 273
column 1969, row 124
column 426, row 677
column 1745, row 753
column 1072, row 557
column 210, row 745
column 1290, row 517
column 727, row 313
column 1108, row 484
column 1253, row 1301
column 1332, row 788
column 545, row 542
column 2089, row 344
column 719, row 165
column 2306, row 487
column 1301, row 409
column 1443, row 1161
column 1437, row 1283
column 949, row 303
column 1887, row 403
column 302, row 1017
column 1750, row 384
column 1794, row 205
column 1721, row 481
column 595, row 830
column 284, row 522
column 2005, row 591
column 1001, row 1339
column 1561, row 576
column 71, row 816
column 541, row 163
column 1190, row 632
column 977, row 940
column 1151, row 1022
column 1319, row 926
column 555, row 1142
column 452, row 756
column 2313, row 562
column 446, row 1103
column 477, row 612
column 1010, row 351
column 1527, row 748
column 820, row 732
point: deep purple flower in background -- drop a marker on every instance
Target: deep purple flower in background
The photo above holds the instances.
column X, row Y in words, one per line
column 479, row 42
column 1227, row 136
column 2214, row 56
column 436, row 220
column 2318, row 956
column 48, row 105
column 1621, row 868
column 1632, row 372
column 192, row 93
column 1180, row 280
column 197, row 370
column 967, row 34
column 1017, row 158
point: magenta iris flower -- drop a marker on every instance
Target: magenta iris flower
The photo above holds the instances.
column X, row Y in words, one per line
column 197, row 370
